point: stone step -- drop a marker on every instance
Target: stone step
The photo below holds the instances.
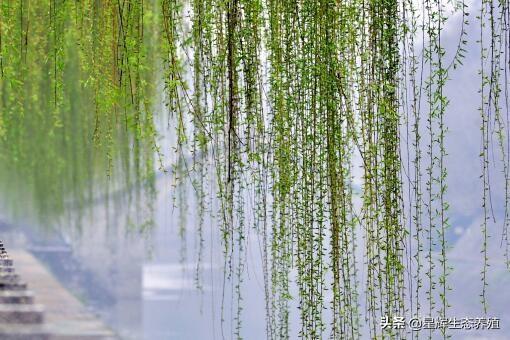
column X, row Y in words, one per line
column 21, row 314
column 17, row 286
column 21, row 319
column 6, row 262
column 9, row 278
column 6, row 270
column 23, row 332
column 19, row 297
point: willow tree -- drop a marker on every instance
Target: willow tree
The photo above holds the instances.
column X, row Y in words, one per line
column 75, row 100
column 329, row 115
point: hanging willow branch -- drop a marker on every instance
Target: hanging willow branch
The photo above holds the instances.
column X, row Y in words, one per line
column 322, row 124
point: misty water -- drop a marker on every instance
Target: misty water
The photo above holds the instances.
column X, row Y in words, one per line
column 145, row 285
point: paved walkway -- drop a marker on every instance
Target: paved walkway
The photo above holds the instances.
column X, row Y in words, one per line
column 65, row 317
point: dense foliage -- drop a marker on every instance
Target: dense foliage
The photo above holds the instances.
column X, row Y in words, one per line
column 322, row 123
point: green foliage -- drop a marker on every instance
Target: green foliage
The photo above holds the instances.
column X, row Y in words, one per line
column 322, row 124
column 76, row 101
